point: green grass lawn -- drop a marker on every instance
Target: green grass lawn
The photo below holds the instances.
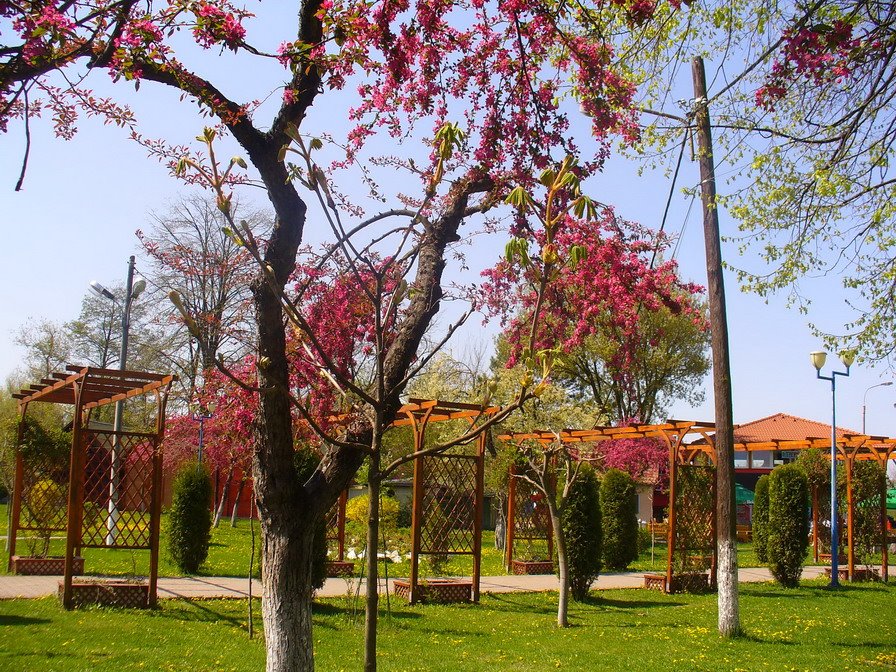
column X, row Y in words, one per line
column 809, row 628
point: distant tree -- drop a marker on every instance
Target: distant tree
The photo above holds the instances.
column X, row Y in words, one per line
column 190, row 253
column 47, row 345
column 668, row 362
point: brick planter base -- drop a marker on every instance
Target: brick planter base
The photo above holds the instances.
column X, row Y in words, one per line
column 655, row 582
column 697, row 582
column 53, row 566
column 108, row 593
column 337, row 568
column 532, row 567
column 442, row 591
column 859, row 574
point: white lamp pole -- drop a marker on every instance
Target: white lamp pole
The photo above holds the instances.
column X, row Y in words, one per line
column 133, row 289
column 818, row 360
column 865, row 400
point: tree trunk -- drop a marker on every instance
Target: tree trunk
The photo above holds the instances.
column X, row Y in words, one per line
column 562, row 563
column 373, row 596
column 236, row 502
column 286, row 591
column 225, row 491
column 726, row 521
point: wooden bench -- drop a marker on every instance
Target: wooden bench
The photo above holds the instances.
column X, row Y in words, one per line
column 744, row 533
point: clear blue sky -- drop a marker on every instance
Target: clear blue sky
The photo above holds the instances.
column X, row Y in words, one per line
column 83, row 200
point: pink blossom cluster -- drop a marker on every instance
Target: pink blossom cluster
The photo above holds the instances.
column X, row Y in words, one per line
column 215, row 25
column 819, row 54
column 503, row 66
column 604, row 294
column 140, row 41
column 43, row 31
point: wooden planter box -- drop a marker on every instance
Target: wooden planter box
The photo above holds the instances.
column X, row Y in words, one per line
column 131, row 595
column 27, row 565
column 655, row 582
column 532, row 567
column 859, row 574
column 336, row 568
column 442, row 591
column 691, row 582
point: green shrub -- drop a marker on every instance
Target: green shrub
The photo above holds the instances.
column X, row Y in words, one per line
column 619, row 519
column 190, row 520
column 582, row 531
column 305, row 462
column 760, row 519
column 788, row 524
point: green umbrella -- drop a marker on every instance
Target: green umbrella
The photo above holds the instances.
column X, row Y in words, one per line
column 891, row 498
column 743, row 495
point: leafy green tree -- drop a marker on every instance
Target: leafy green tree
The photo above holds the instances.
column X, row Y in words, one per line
column 788, row 527
column 669, row 364
column 190, row 517
column 581, row 521
column 760, row 519
column 619, row 519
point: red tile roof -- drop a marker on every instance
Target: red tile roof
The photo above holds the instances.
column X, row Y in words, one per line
column 784, row 427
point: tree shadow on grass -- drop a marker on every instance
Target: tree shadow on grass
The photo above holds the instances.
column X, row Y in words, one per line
column 756, row 639
column 598, row 601
column 204, row 611
column 22, row 620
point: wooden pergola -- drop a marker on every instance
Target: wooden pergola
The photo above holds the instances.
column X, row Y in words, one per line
column 448, row 497
column 850, row 448
column 674, row 433
column 687, row 439
column 114, row 471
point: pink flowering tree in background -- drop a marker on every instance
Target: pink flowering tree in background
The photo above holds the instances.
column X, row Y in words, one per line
column 486, row 90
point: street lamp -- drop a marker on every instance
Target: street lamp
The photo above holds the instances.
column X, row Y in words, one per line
column 818, row 359
column 201, row 416
column 865, row 399
column 133, row 288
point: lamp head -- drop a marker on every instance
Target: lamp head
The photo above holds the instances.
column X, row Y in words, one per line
column 99, row 290
column 818, row 359
column 138, row 287
column 847, row 357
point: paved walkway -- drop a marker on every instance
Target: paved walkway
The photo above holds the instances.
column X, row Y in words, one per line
column 219, row 586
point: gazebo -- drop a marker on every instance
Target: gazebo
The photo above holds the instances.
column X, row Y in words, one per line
column 114, row 479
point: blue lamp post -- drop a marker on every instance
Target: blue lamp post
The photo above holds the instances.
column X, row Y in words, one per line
column 818, row 359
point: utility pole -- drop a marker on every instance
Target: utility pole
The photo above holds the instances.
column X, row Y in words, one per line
column 726, row 520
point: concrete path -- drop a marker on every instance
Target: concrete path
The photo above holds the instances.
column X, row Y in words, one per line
column 218, row 586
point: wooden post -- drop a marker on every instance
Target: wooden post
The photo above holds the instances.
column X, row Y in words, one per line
column 726, row 531
column 18, row 486
column 511, row 518
column 477, row 522
column 815, row 521
column 670, row 542
column 884, row 554
column 340, row 524
column 416, row 514
column 850, row 511
column 75, row 485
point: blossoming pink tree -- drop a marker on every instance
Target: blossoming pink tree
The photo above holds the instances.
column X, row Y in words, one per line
column 490, row 84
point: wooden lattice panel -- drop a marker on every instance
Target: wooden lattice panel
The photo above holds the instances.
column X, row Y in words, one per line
column 695, row 518
column 44, row 492
column 449, row 504
column 531, row 519
column 117, row 489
